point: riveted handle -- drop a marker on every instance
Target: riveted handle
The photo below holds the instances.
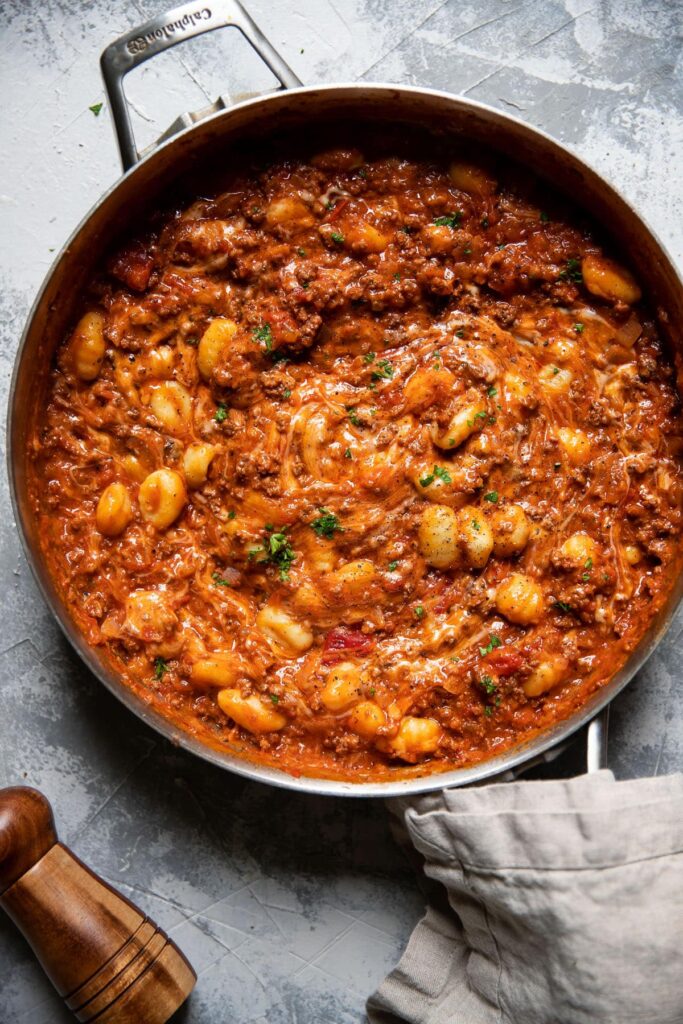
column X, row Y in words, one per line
column 105, row 958
column 596, row 741
column 165, row 31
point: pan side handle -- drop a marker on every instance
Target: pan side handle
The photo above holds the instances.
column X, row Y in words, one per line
column 596, row 741
column 165, row 31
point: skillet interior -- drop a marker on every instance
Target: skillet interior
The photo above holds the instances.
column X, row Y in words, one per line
column 129, row 202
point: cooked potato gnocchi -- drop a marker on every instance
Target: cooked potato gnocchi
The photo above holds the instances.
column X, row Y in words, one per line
column 162, row 497
column 362, row 464
column 87, row 346
column 520, row 599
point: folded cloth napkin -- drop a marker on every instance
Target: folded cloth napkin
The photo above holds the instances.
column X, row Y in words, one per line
column 566, row 905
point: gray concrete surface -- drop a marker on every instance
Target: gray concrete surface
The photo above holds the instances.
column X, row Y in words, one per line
column 291, row 908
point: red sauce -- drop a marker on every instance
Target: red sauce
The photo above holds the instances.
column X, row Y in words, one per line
column 362, row 465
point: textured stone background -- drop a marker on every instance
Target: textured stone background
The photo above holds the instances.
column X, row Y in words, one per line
column 291, row 908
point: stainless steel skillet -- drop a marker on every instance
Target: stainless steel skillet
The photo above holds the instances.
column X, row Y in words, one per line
column 190, row 143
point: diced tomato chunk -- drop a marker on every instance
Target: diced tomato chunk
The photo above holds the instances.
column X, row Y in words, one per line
column 133, row 267
column 341, row 642
column 505, row 662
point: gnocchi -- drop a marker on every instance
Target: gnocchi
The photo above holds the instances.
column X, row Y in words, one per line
column 162, row 497
column 606, row 279
column 343, row 687
column 250, row 712
column 114, row 510
column 87, row 346
column 213, row 343
column 359, row 464
column 520, row 599
column 196, row 461
column 288, row 633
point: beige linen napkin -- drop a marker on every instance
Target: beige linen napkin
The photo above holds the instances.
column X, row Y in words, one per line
column 567, row 905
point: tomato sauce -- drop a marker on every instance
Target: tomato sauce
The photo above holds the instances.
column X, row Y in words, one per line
column 362, row 464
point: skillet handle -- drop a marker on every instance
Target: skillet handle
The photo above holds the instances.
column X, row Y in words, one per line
column 165, row 31
column 596, row 741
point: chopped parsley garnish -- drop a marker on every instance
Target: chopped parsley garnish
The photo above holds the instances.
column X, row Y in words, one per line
column 385, row 370
column 544, row 217
column 451, row 220
column 368, row 358
column 192, row 340
column 476, row 525
column 301, row 252
column 488, row 710
column 279, row 552
column 219, row 580
column 327, row 524
column 397, row 276
column 337, row 237
column 406, row 229
column 371, row 691
column 588, row 564
column 494, row 641
column 460, row 333
column 265, row 335
column 439, row 472
column 579, row 328
column 353, row 415
column 96, row 108
column 160, row 667
column 487, row 684
column 419, row 611
column 393, row 566
column 492, row 392
column 347, row 454
column 467, row 251
column 492, row 496
column 287, row 393
column 484, row 222
column 362, row 173
column 275, row 698
column 562, row 606
column 556, row 370
column 231, row 514
column 221, row 413
column 481, row 415
column 572, row 271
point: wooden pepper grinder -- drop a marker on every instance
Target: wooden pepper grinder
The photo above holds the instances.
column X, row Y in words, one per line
column 104, row 957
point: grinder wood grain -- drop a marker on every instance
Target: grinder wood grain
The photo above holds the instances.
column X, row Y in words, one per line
column 104, row 957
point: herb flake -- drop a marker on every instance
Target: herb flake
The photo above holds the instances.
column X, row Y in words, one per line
column 219, row 580
column 494, row 641
column 327, row 524
column 439, row 472
column 487, row 684
column 264, row 335
column 384, row 371
column 450, row 220
column 572, row 271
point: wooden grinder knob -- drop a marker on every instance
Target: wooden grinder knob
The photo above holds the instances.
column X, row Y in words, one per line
column 104, row 957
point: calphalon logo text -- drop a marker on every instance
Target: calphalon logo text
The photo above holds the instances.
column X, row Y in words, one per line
column 141, row 43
